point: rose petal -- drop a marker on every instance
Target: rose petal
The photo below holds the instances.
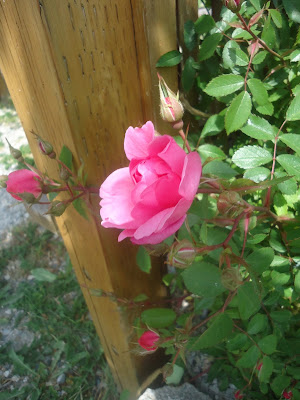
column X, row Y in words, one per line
column 191, row 175
column 137, row 141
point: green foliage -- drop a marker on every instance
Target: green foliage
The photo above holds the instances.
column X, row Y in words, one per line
column 245, row 220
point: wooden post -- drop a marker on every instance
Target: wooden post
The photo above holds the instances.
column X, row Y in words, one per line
column 79, row 73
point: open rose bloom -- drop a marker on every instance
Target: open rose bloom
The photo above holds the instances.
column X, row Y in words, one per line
column 150, row 198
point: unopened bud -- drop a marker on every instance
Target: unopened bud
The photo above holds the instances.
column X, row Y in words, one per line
column 3, row 180
column 15, row 153
column 45, row 147
column 230, row 204
column 157, row 249
column 57, row 208
column 231, row 278
column 182, row 254
column 29, row 198
column 233, row 5
column 64, row 174
column 171, row 109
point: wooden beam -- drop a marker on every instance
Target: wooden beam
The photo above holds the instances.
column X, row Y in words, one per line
column 77, row 76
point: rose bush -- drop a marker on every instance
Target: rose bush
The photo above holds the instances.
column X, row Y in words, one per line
column 23, row 181
column 150, row 198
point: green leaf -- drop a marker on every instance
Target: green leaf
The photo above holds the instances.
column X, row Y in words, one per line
column 266, row 369
column 258, row 90
column 43, row 275
column 238, row 112
column 66, row 156
column 248, row 300
column 220, row 169
column 266, row 109
column 257, row 324
column 290, row 163
column 169, row 59
column 224, row 84
column 213, row 126
column 268, row 34
column 218, row 331
column 251, row 156
column 283, row 316
column 260, row 260
column 211, row 151
column 293, row 112
column 237, row 342
column 188, row 74
column 249, row 359
column 280, row 383
column 125, row 395
column 80, row 207
column 257, row 174
column 295, row 57
column 158, row 317
column 18, row 362
column 189, row 35
column 297, row 282
column 143, row 260
column 233, row 55
column 259, row 57
column 208, row 46
column 292, row 8
column 203, row 279
column 176, row 376
column 292, row 140
column 268, row 344
column 204, row 24
column 280, row 279
column 276, row 17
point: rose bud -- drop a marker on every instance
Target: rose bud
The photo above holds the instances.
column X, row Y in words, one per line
column 171, row 109
column 287, row 395
column 24, row 181
column 233, row 5
column 3, row 180
column 148, row 339
column 182, row 254
column 57, row 208
column 64, row 174
column 238, row 395
column 46, row 148
column 15, row 153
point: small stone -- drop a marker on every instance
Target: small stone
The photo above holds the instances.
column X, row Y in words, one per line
column 15, row 378
column 6, row 374
column 61, row 379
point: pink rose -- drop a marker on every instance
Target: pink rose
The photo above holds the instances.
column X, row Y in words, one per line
column 150, row 198
column 22, row 181
column 148, row 339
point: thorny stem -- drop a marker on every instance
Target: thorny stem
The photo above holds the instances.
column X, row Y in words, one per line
column 247, row 334
column 184, row 138
column 250, row 62
column 268, row 197
column 265, row 46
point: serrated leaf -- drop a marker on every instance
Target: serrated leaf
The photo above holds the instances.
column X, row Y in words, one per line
column 203, row 279
column 204, row 24
column 257, row 324
column 213, row 126
column 218, row 331
column 158, row 317
column 43, row 275
column 189, row 35
column 260, row 260
column 143, row 260
column 259, row 57
column 292, row 8
column 292, row 140
column 249, row 359
column 233, row 55
column 290, row 163
column 259, row 128
column 268, row 344
column 266, row 369
column 276, row 17
column 238, row 112
column 224, row 85
column 268, row 34
column 258, row 90
column 258, row 174
column 297, row 282
column 211, row 151
column 248, row 300
column 295, row 57
column 188, row 74
column 66, row 156
column 265, row 109
column 169, row 59
column 293, row 112
column 208, row 46
column 280, row 383
column 80, row 207
column 220, row 169
column 251, row 156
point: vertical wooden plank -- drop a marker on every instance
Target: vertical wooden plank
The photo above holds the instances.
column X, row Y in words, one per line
column 75, row 75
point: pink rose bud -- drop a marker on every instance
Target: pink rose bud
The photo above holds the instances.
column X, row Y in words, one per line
column 238, row 395
column 233, row 5
column 46, row 148
column 287, row 395
column 57, row 208
column 3, row 180
column 182, row 254
column 24, row 181
column 171, row 109
column 150, row 198
column 148, row 339
column 15, row 153
column 259, row 366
